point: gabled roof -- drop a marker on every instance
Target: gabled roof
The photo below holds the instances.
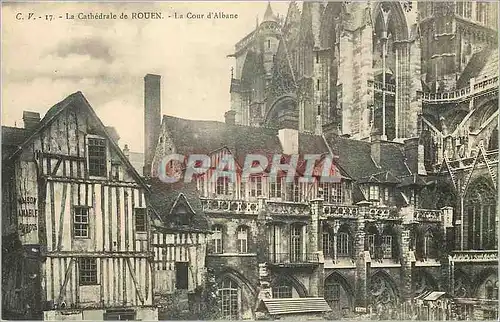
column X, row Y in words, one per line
column 74, row 100
column 165, row 197
column 412, row 180
column 299, row 305
column 381, row 177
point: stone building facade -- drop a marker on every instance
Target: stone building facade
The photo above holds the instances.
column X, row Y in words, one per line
column 404, row 96
column 424, row 74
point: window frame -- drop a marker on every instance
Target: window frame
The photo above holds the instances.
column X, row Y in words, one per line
column 217, row 243
column 92, row 279
column 374, row 192
column 343, row 244
column 242, row 243
column 145, row 220
column 387, row 246
column 88, row 138
column 81, row 223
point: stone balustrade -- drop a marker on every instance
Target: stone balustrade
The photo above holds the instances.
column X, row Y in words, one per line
column 384, row 213
column 379, row 87
column 230, row 206
column 341, row 211
column 288, row 208
column 461, row 93
column 475, row 256
column 428, row 215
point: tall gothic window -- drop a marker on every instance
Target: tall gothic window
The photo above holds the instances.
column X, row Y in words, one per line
column 296, row 243
column 480, row 211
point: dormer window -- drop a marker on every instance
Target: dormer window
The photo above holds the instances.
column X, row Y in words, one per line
column 374, row 192
column 97, row 157
column 255, row 186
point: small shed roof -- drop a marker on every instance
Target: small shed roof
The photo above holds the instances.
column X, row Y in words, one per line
column 432, row 296
column 294, row 305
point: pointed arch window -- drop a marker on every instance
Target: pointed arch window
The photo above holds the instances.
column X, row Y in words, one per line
column 480, row 210
column 282, row 290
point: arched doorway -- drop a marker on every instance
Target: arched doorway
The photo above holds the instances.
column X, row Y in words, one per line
column 338, row 294
column 384, row 296
column 284, row 286
column 229, row 298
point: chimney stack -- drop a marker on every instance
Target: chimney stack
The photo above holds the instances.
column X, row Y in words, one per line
column 152, row 118
column 289, row 139
column 415, row 158
column 230, row 117
column 31, row 120
column 113, row 133
column 126, row 151
column 375, row 149
column 319, row 126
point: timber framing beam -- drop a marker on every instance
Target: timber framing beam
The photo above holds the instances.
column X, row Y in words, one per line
column 101, row 254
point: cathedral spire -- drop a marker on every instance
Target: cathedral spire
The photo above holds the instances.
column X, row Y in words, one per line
column 269, row 14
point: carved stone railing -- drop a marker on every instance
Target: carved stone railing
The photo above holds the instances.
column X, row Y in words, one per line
column 293, row 258
column 341, row 211
column 491, row 157
column 379, row 87
column 230, row 206
column 461, row 93
column 384, row 213
column 288, row 208
column 428, row 215
column 475, row 256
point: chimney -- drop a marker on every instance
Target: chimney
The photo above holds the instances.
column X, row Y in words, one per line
column 113, row 134
column 126, row 151
column 152, row 118
column 230, row 117
column 289, row 139
column 330, row 129
column 319, row 124
column 31, row 120
column 414, row 153
column 375, row 149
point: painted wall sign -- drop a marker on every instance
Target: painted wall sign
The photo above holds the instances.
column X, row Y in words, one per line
column 27, row 211
column 27, row 203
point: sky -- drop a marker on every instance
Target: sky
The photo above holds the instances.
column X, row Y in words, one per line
column 44, row 61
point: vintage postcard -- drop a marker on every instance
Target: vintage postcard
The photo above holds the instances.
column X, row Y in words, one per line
column 250, row 160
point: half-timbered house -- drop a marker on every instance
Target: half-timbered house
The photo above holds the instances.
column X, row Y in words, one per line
column 76, row 209
column 179, row 235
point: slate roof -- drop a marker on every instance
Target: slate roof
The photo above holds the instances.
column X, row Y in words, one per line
column 482, row 64
column 204, row 137
column 354, row 156
column 137, row 161
column 163, row 197
column 12, row 138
